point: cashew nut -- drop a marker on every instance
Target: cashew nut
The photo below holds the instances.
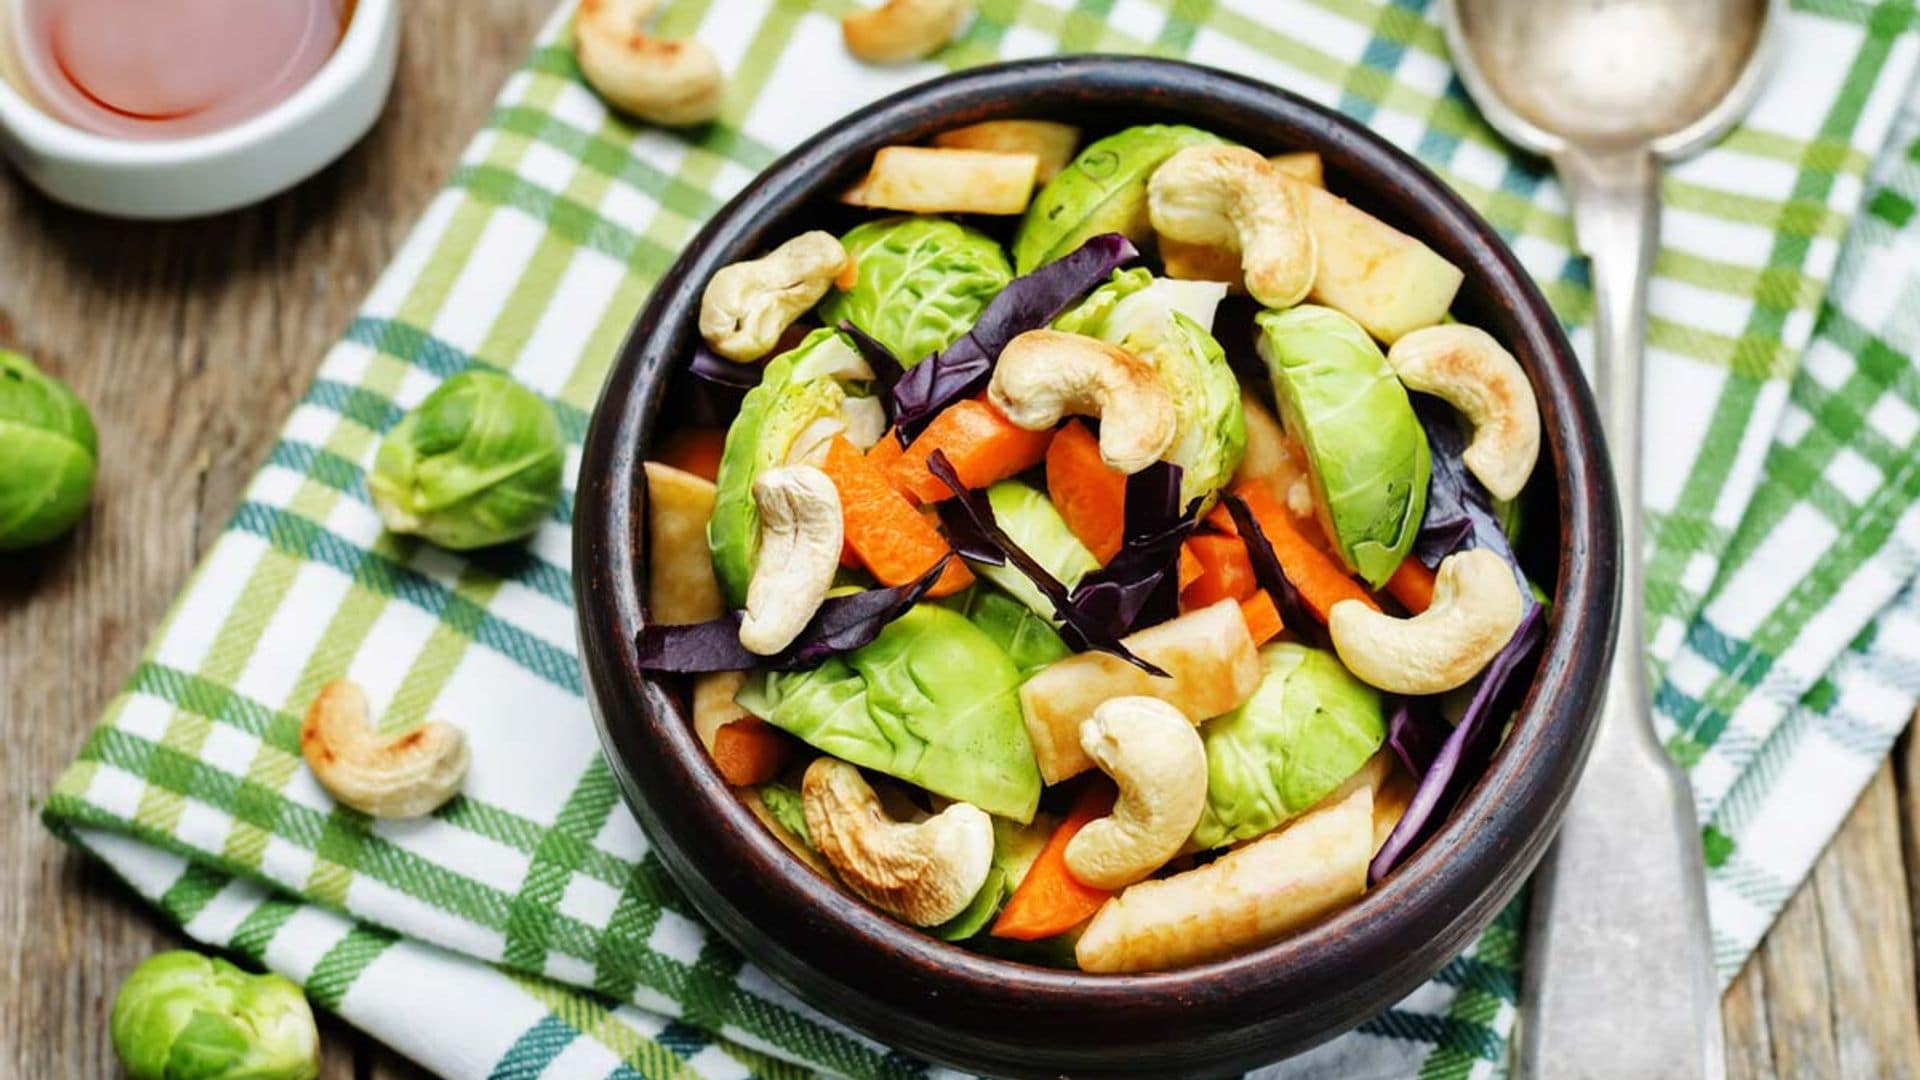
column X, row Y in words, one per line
column 387, row 776
column 923, row 873
column 748, row 305
column 1231, row 197
column 1466, row 368
column 800, row 534
column 1154, row 754
column 1476, row 608
column 665, row 82
column 902, row 30
column 1045, row 375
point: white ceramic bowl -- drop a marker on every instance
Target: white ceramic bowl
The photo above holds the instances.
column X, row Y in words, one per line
column 207, row 174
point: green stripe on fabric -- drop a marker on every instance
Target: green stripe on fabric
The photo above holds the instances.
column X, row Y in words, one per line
column 555, row 861
column 343, row 964
column 190, row 893
column 594, row 1020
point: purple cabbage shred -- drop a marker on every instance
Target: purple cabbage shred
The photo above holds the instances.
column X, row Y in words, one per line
column 1295, row 614
column 1029, row 302
column 1465, row 752
column 843, row 624
column 968, row 521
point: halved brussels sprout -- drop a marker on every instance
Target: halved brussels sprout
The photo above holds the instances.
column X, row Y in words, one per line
column 48, row 450
column 1367, row 451
column 1134, row 298
column 183, row 1016
column 799, row 403
column 1104, row 190
column 478, row 462
column 1308, row 727
column 919, row 283
column 932, row 701
column 1028, row 639
column 1164, row 322
column 1028, row 517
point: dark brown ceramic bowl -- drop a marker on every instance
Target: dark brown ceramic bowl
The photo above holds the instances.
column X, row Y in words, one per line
column 964, row 1009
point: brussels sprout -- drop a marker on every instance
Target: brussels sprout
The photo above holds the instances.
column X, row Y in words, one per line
column 1308, row 727
column 932, row 701
column 1367, row 451
column 47, row 454
column 476, row 463
column 183, row 1016
column 1028, row 640
column 978, row 912
column 801, row 395
column 1164, row 322
column 919, row 283
column 1103, row 191
column 1031, row 521
column 783, row 802
column 1134, row 299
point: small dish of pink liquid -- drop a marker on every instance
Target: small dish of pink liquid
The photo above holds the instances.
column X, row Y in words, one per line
column 182, row 108
column 157, row 69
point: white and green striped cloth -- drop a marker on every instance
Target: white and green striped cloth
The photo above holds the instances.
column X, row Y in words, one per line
column 525, row 931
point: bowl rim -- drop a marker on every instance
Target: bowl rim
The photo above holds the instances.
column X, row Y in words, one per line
column 353, row 58
column 1530, row 774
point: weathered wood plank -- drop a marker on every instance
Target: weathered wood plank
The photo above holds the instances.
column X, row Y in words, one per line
column 1831, row 991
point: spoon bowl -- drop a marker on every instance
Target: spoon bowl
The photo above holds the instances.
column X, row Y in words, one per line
column 1550, row 74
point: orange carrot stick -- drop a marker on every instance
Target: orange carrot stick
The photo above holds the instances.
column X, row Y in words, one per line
column 885, row 452
column 886, row 533
column 1050, row 900
column 1412, row 585
column 1321, row 581
column 695, row 450
column 1263, row 618
column 1225, row 571
column 750, row 751
column 984, row 447
column 1091, row 496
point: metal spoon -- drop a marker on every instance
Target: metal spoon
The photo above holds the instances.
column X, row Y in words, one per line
column 1620, row 979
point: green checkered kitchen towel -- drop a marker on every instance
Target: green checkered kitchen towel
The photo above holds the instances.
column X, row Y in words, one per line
column 524, row 930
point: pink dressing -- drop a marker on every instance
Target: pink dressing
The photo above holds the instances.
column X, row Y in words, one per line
column 156, row 69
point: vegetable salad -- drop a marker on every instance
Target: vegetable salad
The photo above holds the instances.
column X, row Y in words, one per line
column 1108, row 560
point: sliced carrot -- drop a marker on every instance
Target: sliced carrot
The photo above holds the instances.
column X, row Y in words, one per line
column 1412, row 585
column 750, row 751
column 889, row 536
column 1225, row 571
column 696, row 450
column 1190, row 568
column 1050, row 900
column 984, row 447
column 849, row 275
column 1090, row 495
column 885, row 452
column 1322, row 582
column 1263, row 619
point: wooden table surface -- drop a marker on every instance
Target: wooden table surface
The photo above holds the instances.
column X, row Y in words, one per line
column 191, row 343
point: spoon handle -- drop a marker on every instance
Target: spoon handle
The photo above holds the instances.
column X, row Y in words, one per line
column 1619, row 976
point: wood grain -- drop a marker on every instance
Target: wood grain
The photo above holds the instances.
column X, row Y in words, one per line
column 192, row 341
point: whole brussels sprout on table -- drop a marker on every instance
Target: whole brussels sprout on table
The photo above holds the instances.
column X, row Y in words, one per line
column 183, row 1016
column 978, row 707
column 478, row 462
column 48, row 453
